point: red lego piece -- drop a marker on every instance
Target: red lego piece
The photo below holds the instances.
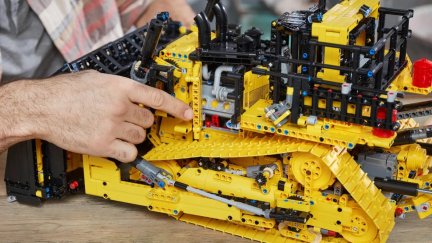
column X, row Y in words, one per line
column 422, row 75
column 208, row 123
column 73, row 185
column 399, row 212
column 381, row 115
column 215, row 121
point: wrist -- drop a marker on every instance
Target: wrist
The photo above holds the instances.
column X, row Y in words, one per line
column 19, row 114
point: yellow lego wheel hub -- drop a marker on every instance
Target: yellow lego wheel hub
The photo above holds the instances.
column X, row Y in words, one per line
column 362, row 228
column 310, row 168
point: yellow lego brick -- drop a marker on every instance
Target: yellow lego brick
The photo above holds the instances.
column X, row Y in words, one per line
column 337, row 23
column 172, row 130
column 256, row 87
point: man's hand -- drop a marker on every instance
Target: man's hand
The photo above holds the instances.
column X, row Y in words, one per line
column 86, row 112
column 179, row 10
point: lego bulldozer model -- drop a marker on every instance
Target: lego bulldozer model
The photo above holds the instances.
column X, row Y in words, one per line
column 300, row 137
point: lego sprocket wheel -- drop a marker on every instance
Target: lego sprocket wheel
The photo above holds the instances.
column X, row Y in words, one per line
column 308, row 168
column 362, row 228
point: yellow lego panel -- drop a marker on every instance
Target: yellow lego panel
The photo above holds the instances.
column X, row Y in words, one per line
column 337, row 23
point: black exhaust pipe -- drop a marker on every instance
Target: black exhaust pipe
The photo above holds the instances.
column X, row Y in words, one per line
column 209, row 8
column 221, row 22
column 151, row 41
column 204, row 33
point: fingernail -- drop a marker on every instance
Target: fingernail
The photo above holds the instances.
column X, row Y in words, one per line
column 188, row 115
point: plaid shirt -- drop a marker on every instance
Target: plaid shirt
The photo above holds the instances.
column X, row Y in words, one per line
column 79, row 26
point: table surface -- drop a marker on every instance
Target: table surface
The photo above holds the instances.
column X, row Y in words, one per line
column 92, row 219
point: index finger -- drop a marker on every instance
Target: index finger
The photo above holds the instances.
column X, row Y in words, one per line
column 160, row 100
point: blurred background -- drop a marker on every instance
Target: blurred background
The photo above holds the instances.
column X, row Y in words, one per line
column 260, row 13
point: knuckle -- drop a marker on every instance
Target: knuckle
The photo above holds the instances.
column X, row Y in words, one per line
column 157, row 99
column 127, row 87
column 108, row 130
column 100, row 147
column 121, row 155
column 119, row 108
column 150, row 119
column 132, row 86
column 113, row 153
column 125, row 154
column 136, row 135
column 109, row 150
column 146, row 117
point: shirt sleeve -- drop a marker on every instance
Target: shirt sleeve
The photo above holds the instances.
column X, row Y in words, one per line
column 130, row 11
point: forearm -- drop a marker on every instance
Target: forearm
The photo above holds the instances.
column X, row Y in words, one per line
column 16, row 113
